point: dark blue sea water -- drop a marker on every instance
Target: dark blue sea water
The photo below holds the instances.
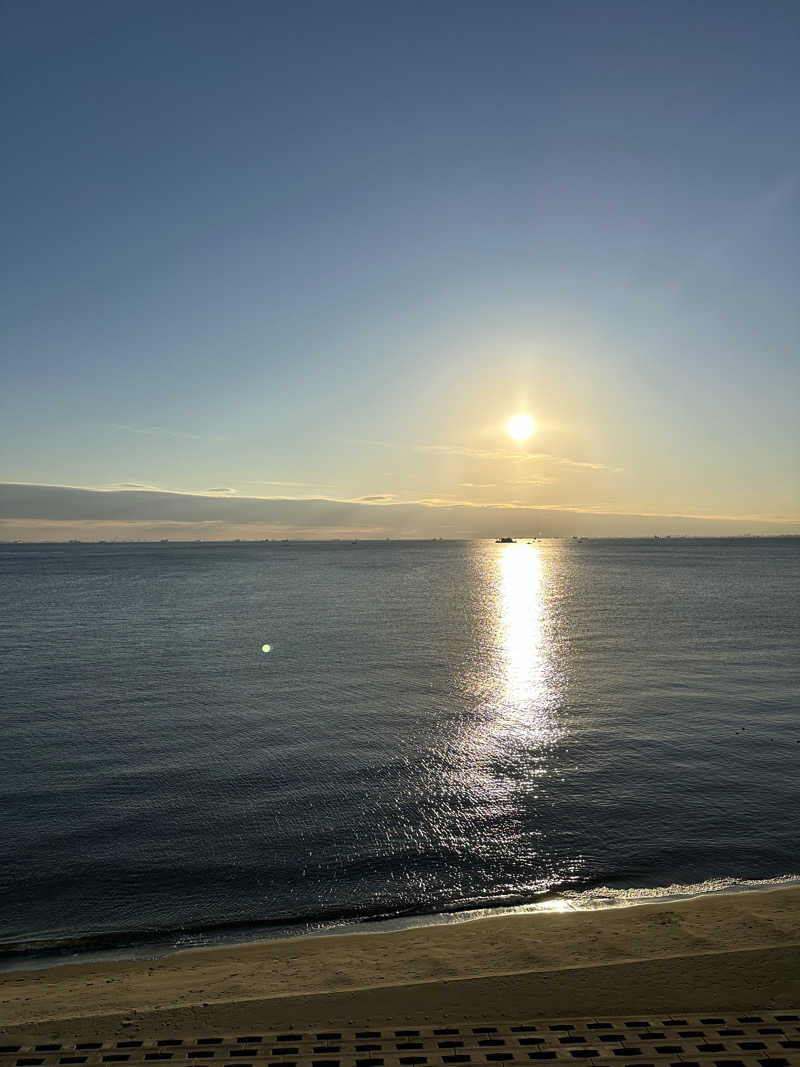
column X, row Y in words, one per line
column 437, row 726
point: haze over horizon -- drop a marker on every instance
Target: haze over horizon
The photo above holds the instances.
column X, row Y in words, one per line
column 288, row 270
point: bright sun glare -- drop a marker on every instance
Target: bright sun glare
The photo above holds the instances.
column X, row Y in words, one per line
column 520, row 426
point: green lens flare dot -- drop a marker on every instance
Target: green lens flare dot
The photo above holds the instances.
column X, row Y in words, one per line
column 266, row 648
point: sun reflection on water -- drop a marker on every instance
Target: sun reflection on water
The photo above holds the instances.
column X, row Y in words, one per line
column 523, row 644
column 502, row 753
column 520, row 612
column 506, row 743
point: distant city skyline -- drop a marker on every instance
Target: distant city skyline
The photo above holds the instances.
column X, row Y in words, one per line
column 288, row 270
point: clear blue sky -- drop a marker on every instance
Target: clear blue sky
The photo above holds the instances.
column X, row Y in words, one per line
column 326, row 249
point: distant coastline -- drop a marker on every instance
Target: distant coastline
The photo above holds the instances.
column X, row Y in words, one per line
column 641, row 538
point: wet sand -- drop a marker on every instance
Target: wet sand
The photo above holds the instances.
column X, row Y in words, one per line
column 733, row 951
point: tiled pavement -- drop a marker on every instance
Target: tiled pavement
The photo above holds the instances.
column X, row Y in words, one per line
column 759, row 1039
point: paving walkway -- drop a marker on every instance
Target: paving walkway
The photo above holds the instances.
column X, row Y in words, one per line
column 759, row 1039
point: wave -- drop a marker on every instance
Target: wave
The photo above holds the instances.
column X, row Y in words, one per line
column 603, row 897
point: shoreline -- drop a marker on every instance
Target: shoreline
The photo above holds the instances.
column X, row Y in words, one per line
column 21, row 956
column 729, row 950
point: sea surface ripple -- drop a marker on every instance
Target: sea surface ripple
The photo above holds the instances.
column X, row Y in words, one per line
column 436, row 727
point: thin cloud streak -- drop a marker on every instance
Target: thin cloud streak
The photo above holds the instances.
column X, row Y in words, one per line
column 307, row 485
column 536, row 479
column 506, row 454
column 500, row 454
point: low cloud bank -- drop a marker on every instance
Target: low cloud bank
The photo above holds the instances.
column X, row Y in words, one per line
column 42, row 512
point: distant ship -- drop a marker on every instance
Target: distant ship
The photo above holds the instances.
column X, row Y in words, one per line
column 505, row 541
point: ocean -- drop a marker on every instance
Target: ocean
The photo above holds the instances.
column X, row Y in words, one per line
column 436, row 727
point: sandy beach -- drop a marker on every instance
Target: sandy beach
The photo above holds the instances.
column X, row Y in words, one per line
column 729, row 952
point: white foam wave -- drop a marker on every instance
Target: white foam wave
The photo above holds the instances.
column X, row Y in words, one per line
column 605, row 897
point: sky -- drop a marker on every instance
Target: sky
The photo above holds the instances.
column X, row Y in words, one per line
column 286, row 269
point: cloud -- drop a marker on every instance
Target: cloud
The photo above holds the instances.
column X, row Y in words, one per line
column 445, row 502
column 472, row 453
column 513, row 455
column 535, row 479
column 308, row 485
column 149, row 487
column 579, row 463
column 57, row 512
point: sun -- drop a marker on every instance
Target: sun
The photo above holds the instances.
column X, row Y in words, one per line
column 520, row 426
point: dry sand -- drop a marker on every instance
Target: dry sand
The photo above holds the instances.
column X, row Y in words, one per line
column 727, row 952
